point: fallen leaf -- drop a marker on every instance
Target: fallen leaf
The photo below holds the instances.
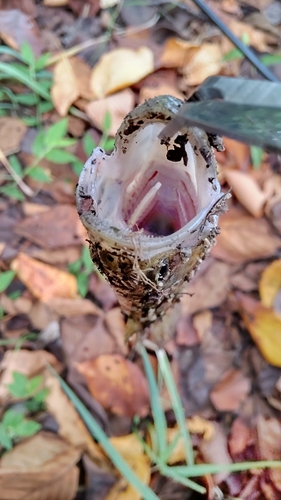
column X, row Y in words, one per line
column 244, row 238
column 247, row 191
column 205, row 61
column 34, row 208
column 55, row 3
column 57, row 256
column 29, row 363
column 117, row 105
column 85, row 338
column 215, row 451
column 118, row 384
column 131, row 450
column 72, row 307
column 241, row 436
column 119, row 69
column 71, row 80
column 208, row 289
column 230, row 391
column 270, row 283
column 12, row 131
column 238, row 151
column 97, row 479
column 43, row 281
column 269, row 443
column 114, row 321
column 195, row 425
column 176, row 53
column 17, row 28
column 42, row 465
column 56, row 228
column 71, row 426
column 264, row 325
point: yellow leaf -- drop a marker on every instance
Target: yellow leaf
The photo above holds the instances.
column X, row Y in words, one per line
column 71, row 80
column 42, row 280
column 270, row 283
column 131, row 450
column 264, row 326
column 177, row 53
column 120, row 68
column 205, row 61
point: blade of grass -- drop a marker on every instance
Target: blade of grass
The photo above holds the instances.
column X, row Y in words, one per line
column 102, row 438
column 10, row 52
column 203, row 469
column 13, row 72
column 156, row 407
column 179, row 478
column 176, row 403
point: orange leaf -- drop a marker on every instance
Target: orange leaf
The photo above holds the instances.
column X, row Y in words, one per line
column 43, row 281
column 270, row 283
column 118, row 384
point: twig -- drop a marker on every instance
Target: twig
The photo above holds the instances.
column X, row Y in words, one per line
column 24, row 187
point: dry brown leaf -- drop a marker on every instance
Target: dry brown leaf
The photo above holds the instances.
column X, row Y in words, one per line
column 114, row 321
column 270, row 283
column 118, row 106
column 43, row 466
column 247, row 191
column 241, row 436
column 269, row 443
column 238, row 151
column 244, row 238
column 118, row 384
column 73, row 307
column 230, row 391
column 215, row 451
column 131, row 450
column 30, row 363
column 34, row 208
column 205, row 61
column 43, row 281
column 57, row 227
column 12, row 131
column 119, row 69
column 176, row 53
column 264, row 325
column 55, row 3
column 71, row 80
column 16, row 28
column 209, row 288
column 71, row 426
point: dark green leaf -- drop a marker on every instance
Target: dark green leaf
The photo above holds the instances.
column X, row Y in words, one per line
column 38, row 145
column 27, row 99
column 45, row 106
column 15, row 164
column 42, row 61
column 39, row 174
column 6, row 278
column 82, row 284
column 87, row 261
column 5, row 440
column 12, row 418
column 60, row 156
column 30, row 121
column 256, row 155
column 27, row 54
column 12, row 191
column 40, row 396
column 34, row 383
column 109, row 144
column 13, row 72
column 77, row 167
column 27, row 428
column 88, row 144
column 75, row 267
column 19, row 387
column 56, row 132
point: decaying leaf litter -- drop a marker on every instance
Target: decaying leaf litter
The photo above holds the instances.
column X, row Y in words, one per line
column 56, row 308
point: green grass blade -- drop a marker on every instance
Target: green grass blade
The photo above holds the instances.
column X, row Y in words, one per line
column 203, row 469
column 13, row 72
column 179, row 478
column 102, row 438
column 10, row 52
column 176, row 403
column 156, row 407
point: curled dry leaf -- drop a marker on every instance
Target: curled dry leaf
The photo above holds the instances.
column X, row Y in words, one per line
column 118, row 384
column 247, row 191
column 244, row 238
column 131, row 450
column 264, row 325
column 71, row 427
column 270, row 283
column 43, row 281
column 30, row 363
column 230, row 391
column 43, row 466
column 72, row 307
column 120, row 68
column 12, row 131
column 71, row 80
column 196, row 62
column 117, row 105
